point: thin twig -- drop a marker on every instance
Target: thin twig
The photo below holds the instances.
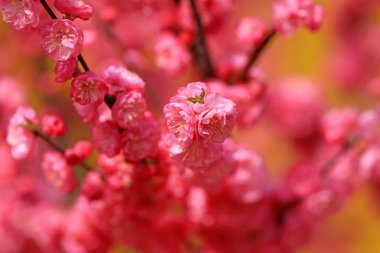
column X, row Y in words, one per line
column 56, row 146
column 203, row 53
column 254, row 56
column 53, row 16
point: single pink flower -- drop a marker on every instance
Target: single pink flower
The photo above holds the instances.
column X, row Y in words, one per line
column 180, row 119
column 122, row 79
column 216, row 118
column 53, row 126
column 87, row 88
column 171, row 54
column 129, row 107
column 74, row 8
column 60, row 39
column 141, row 141
column 65, row 69
column 106, row 138
column 20, row 138
column 20, row 13
column 93, row 185
column 251, row 31
column 339, row 124
column 58, row 172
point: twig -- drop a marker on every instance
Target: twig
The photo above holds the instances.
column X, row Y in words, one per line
column 203, row 53
column 53, row 16
column 56, row 146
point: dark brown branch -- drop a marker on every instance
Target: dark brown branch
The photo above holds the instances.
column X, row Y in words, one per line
column 254, row 56
column 201, row 45
column 53, row 16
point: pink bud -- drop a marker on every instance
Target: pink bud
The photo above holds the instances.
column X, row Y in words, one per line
column 53, row 126
column 92, row 186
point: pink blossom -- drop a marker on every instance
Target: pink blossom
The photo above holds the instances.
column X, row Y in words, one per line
column 171, row 54
column 53, row 126
column 180, row 119
column 216, row 118
column 248, row 183
column 65, row 69
column 141, row 141
column 58, row 172
column 194, row 154
column 251, row 31
column 296, row 106
column 193, row 90
column 20, row 13
column 87, row 88
column 121, row 79
column 74, row 8
column 78, row 153
column 338, row 125
column 106, row 138
column 129, row 107
column 88, row 113
column 288, row 15
column 93, row 185
column 20, row 138
column 60, row 39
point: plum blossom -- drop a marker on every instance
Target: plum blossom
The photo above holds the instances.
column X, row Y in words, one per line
column 121, row 79
column 74, row 8
column 171, row 54
column 129, row 106
column 288, row 15
column 106, row 138
column 20, row 13
column 20, row 138
column 60, row 39
column 180, row 119
column 141, row 140
column 250, row 31
column 58, row 172
column 53, row 125
column 87, row 88
column 65, row 69
column 216, row 118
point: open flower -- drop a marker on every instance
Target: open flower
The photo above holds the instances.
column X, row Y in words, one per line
column 20, row 13
column 60, row 39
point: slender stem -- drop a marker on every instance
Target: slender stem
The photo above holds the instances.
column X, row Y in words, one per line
column 48, row 9
column 203, row 53
column 53, row 16
column 254, row 56
column 56, row 146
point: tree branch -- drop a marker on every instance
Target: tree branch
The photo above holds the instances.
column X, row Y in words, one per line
column 201, row 45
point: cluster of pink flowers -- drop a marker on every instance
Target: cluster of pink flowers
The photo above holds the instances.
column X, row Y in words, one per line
column 288, row 15
column 176, row 181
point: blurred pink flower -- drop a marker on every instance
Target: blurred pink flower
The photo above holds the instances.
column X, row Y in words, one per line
column 20, row 13
column 74, row 8
column 87, row 88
